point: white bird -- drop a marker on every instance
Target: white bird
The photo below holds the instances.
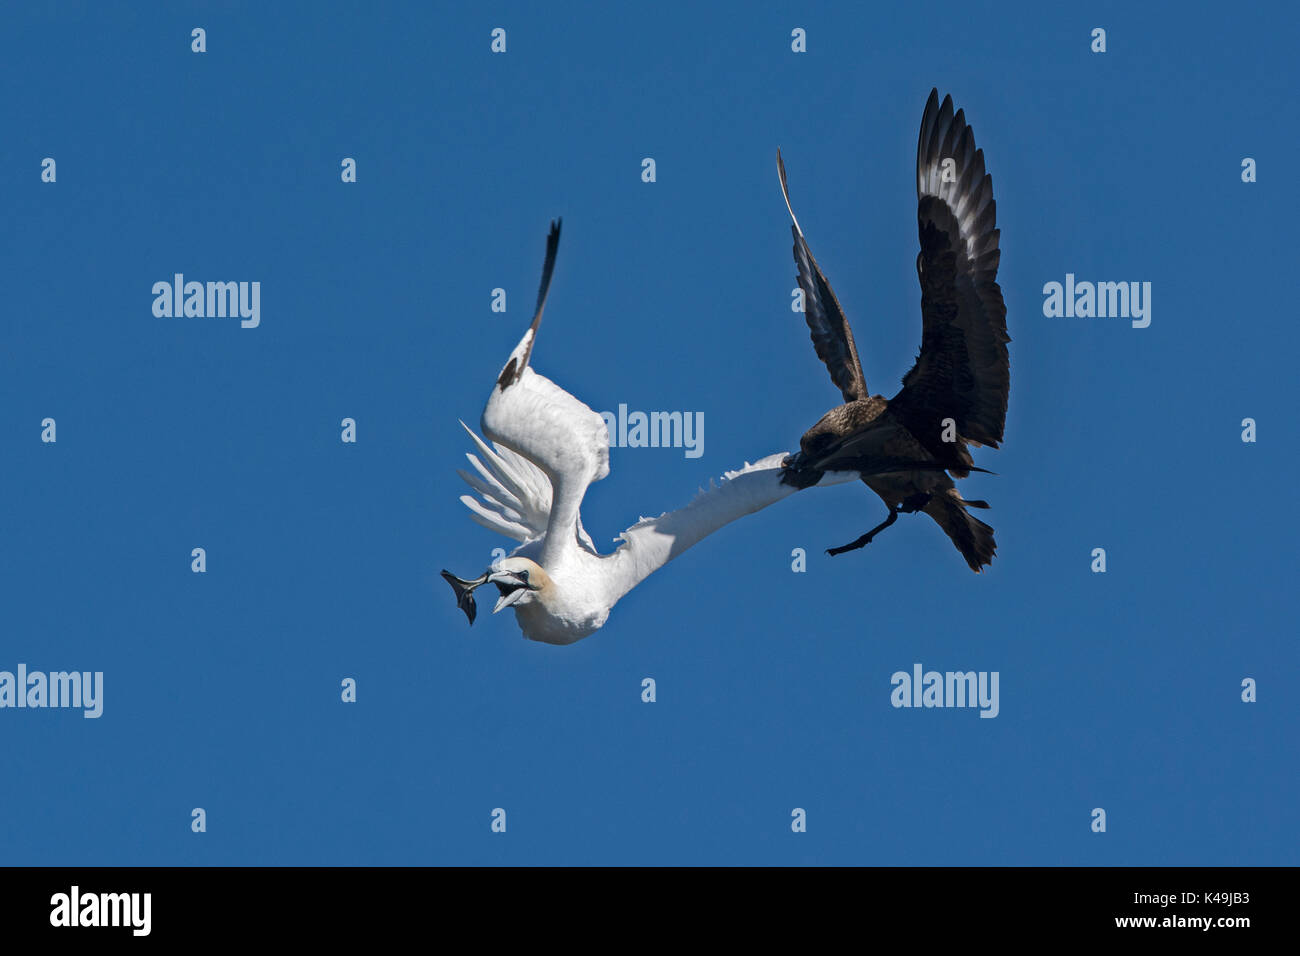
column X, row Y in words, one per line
column 547, row 447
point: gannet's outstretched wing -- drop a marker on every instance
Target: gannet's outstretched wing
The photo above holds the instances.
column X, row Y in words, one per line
column 514, row 495
column 549, row 448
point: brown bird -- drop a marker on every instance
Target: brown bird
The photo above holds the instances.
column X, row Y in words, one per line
column 956, row 393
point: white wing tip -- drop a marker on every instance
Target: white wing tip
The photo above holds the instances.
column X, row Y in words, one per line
column 769, row 463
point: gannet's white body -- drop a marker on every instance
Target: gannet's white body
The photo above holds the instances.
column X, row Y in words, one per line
column 547, row 447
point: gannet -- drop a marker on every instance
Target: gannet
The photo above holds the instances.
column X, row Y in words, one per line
column 956, row 393
column 547, row 447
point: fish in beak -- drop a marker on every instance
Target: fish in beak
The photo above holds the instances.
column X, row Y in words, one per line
column 464, row 591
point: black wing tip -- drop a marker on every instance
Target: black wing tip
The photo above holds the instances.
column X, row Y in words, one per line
column 548, row 266
column 931, row 109
column 785, row 192
column 939, row 114
column 511, row 373
column 507, row 376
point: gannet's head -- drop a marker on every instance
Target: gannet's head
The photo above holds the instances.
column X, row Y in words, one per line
column 521, row 581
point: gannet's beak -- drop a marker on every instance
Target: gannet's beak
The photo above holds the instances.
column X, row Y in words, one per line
column 505, row 600
column 513, row 585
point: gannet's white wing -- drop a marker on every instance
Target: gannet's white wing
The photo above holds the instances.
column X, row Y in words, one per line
column 514, row 494
column 652, row 542
column 562, row 438
column 530, row 415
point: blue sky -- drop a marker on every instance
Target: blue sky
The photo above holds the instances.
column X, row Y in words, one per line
column 1118, row 690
